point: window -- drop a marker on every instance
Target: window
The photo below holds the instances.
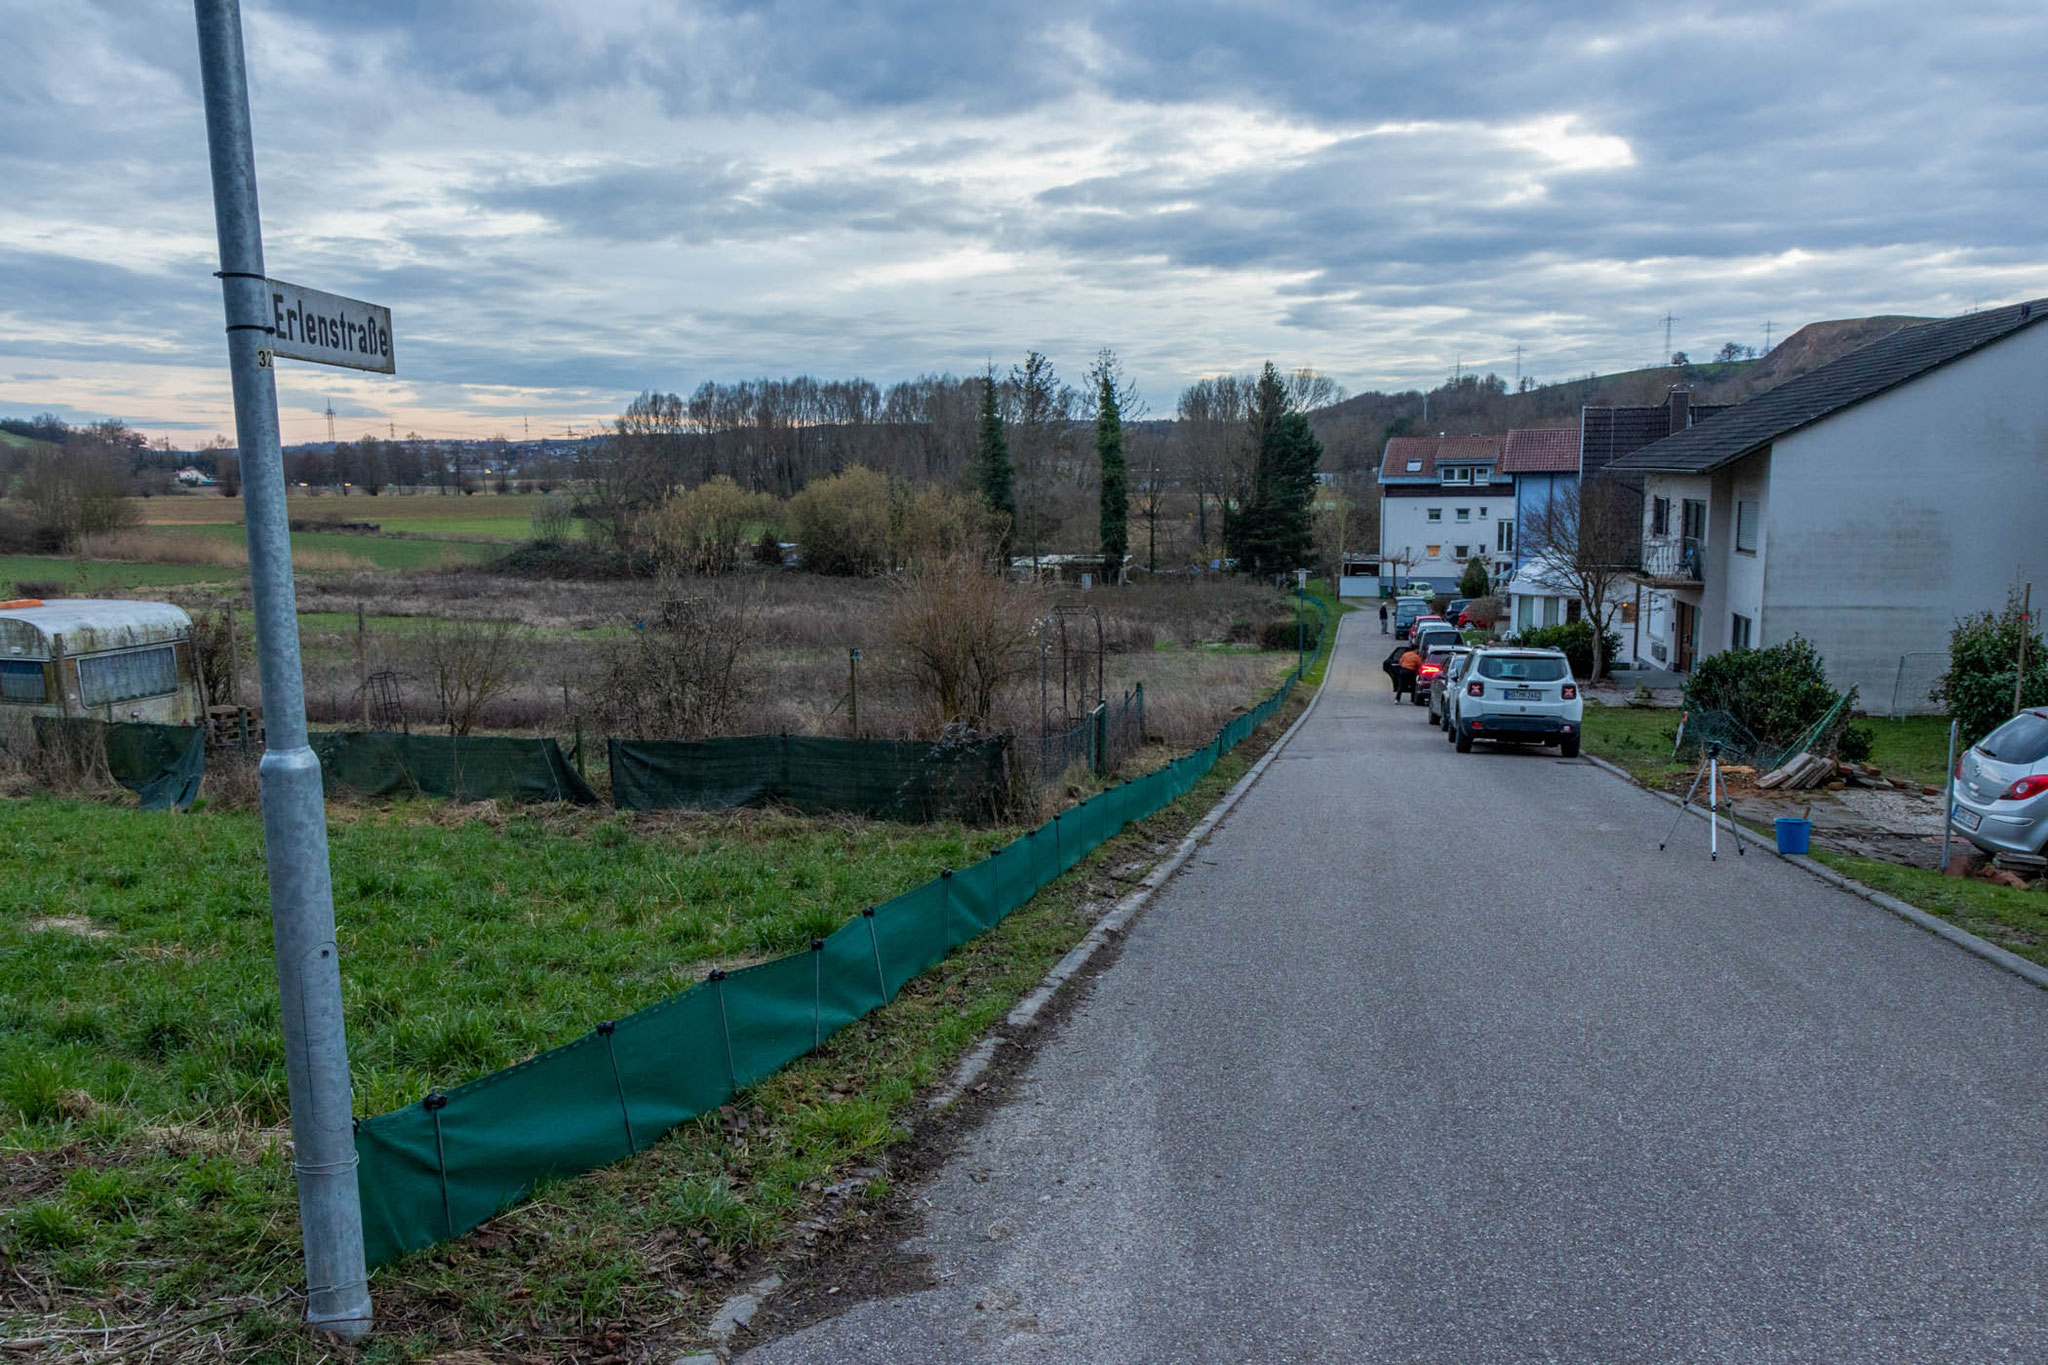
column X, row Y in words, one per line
column 1436, row 514
column 1525, row 613
column 21, row 680
column 1522, row 667
column 1660, row 516
column 1550, row 611
column 1745, row 526
column 107, row 678
column 1482, row 513
column 1415, row 466
column 2023, row 739
column 1571, row 611
column 1458, row 475
column 1695, row 520
column 1504, row 537
column 1483, row 474
column 1434, row 550
column 1460, row 551
column 1464, row 514
column 1739, row 632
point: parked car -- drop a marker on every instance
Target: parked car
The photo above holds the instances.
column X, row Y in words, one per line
column 1406, row 609
column 2000, row 787
column 1444, row 683
column 1455, row 608
column 1518, row 695
column 1436, row 635
column 1431, row 668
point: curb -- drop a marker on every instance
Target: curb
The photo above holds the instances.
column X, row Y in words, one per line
column 2030, row 972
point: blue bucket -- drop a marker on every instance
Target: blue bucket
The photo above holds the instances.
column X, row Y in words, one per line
column 1793, row 834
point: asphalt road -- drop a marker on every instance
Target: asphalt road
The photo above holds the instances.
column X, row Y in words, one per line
column 1430, row 1057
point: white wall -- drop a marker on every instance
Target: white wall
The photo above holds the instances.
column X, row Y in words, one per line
column 1405, row 527
column 1890, row 520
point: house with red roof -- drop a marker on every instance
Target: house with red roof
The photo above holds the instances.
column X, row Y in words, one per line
column 1440, row 500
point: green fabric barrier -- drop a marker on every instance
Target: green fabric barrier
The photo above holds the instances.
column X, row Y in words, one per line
column 435, row 1169
column 466, row 768
column 888, row 779
column 161, row 764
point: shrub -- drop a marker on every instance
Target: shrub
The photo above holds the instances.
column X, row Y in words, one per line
column 1777, row 693
column 861, row 522
column 1280, row 634
column 1489, row 611
column 469, row 664
column 1855, row 743
column 962, row 633
column 1474, row 582
column 1575, row 638
column 704, row 529
column 1983, row 652
column 551, row 519
column 680, row 678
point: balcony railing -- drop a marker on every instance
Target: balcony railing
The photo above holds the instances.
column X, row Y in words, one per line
column 1673, row 557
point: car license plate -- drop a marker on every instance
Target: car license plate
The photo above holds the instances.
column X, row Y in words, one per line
column 1522, row 694
column 1968, row 819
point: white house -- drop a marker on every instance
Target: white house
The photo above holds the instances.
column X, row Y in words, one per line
column 1865, row 505
column 1440, row 497
column 1542, row 594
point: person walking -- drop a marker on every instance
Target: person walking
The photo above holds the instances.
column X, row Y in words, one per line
column 1383, row 618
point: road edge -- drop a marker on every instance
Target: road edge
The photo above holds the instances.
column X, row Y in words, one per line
column 2031, row 972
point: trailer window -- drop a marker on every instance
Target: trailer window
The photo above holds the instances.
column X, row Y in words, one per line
column 107, row 678
column 21, row 681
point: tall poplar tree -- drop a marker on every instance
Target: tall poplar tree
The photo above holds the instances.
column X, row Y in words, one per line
column 998, row 488
column 1116, row 477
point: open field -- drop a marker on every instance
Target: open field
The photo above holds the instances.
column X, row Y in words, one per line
column 92, row 577
column 506, row 517
column 390, row 553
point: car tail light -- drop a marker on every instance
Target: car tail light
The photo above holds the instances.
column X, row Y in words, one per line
column 1430, row 670
column 1571, row 693
column 2026, row 787
column 1475, row 688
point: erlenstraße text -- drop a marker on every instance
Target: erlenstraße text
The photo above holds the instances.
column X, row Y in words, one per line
column 329, row 330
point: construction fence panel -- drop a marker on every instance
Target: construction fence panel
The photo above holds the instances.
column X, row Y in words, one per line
column 162, row 764
column 465, row 767
column 437, row 1168
column 884, row 778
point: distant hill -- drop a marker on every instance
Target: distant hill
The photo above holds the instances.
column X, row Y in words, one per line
column 11, row 441
column 1355, row 431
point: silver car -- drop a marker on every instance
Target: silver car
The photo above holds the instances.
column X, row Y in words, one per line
column 1444, row 684
column 2001, row 787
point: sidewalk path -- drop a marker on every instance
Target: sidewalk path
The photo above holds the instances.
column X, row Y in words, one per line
column 1435, row 1058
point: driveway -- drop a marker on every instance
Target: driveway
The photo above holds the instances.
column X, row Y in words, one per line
column 1434, row 1057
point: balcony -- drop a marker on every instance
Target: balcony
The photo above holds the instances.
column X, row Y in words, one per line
column 1673, row 561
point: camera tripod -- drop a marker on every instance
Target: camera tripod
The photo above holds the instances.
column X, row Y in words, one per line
column 1710, row 773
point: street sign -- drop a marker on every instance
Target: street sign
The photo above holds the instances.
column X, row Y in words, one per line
column 328, row 329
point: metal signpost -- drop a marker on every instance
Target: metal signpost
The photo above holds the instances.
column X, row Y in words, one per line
column 265, row 318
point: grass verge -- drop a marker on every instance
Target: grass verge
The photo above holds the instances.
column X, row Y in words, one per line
column 2013, row 919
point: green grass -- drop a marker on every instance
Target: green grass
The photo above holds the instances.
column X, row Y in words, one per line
column 85, row 576
column 1912, row 747
column 1637, row 740
column 2013, row 919
column 504, row 517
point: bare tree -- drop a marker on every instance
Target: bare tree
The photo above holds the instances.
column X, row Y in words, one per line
column 1589, row 543
column 962, row 634
column 680, row 677
column 470, row 664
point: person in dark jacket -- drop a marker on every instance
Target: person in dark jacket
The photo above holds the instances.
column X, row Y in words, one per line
column 1392, row 667
column 1383, row 618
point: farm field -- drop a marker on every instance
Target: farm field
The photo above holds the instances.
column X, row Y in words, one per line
column 391, row 553
column 497, row 516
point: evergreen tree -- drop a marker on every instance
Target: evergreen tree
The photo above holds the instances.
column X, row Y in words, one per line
column 1109, row 452
column 1274, row 531
column 998, row 489
column 1475, row 583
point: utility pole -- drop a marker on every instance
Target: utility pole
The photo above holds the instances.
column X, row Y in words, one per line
column 330, row 421
column 2019, row 681
column 1767, row 336
column 1518, row 367
column 1668, row 352
column 294, row 814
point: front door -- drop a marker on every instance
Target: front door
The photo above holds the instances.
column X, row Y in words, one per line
column 1688, row 635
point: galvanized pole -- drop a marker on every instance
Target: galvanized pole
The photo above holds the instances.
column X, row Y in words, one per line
column 294, row 818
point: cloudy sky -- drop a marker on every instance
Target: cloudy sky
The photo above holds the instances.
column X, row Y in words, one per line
column 566, row 202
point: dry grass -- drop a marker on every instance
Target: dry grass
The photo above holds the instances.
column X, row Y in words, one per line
column 150, row 547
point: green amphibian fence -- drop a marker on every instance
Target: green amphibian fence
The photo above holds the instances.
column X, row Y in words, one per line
column 886, row 778
column 434, row 1170
column 162, row 764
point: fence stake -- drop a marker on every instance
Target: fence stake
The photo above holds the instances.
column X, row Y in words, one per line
column 434, row 1103
column 604, row 1031
column 817, row 991
column 881, row 980
column 717, row 979
column 946, row 903
column 1948, row 805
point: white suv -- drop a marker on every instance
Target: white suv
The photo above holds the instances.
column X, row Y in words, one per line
column 1517, row 695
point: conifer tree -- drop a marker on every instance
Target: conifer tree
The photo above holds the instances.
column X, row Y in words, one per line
column 1274, row 531
column 1109, row 452
column 998, row 488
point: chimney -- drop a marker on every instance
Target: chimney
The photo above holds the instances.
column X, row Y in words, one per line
column 1681, row 408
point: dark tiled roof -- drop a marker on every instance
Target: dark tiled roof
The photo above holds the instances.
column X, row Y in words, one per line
column 1859, row 375
column 1430, row 449
column 1541, row 450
